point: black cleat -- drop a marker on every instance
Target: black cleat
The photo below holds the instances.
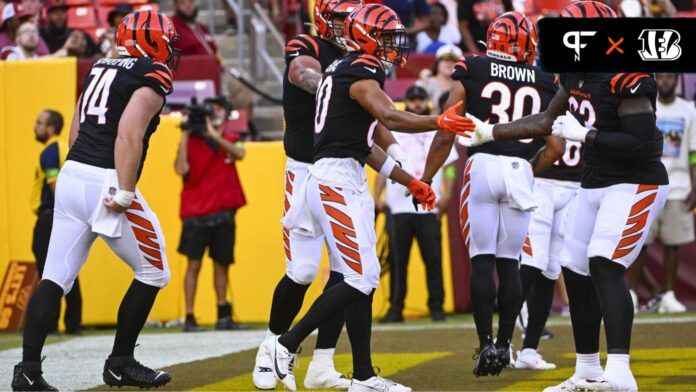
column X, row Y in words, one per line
column 486, row 360
column 438, row 316
column 227, row 324
column 27, row 377
column 392, row 316
column 192, row 326
column 126, row 371
column 502, row 360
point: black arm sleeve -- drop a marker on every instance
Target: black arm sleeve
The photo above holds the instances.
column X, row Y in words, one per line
column 635, row 140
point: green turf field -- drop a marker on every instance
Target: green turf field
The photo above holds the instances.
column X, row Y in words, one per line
column 429, row 356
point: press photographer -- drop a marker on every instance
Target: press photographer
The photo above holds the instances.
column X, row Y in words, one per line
column 211, row 196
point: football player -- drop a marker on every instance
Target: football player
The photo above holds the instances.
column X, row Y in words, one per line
column 496, row 199
column 623, row 188
column 554, row 191
column 306, row 58
column 96, row 196
column 334, row 199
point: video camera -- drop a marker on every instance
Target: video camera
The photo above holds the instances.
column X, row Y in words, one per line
column 196, row 117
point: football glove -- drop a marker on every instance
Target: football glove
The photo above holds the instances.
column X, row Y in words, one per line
column 423, row 192
column 483, row 133
column 569, row 128
column 451, row 122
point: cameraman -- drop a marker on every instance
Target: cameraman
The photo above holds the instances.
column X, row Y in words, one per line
column 211, row 196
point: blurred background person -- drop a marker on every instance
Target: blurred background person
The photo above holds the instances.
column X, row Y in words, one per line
column 194, row 37
column 414, row 14
column 209, row 201
column 438, row 80
column 63, row 41
column 438, row 32
column 13, row 14
column 676, row 119
column 475, row 16
column 408, row 222
column 26, row 43
column 49, row 124
column 107, row 41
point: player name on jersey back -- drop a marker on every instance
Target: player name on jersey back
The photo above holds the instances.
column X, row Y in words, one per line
column 511, row 72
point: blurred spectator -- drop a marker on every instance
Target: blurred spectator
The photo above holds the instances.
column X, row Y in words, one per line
column 49, row 124
column 26, row 42
column 649, row 8
column 33, row 8
column 63, row 41
column 544, row 7
column 676, row 120
column 107, row 41
column 194, row 38
column 12, row 16
column 414, row 14
column 409, row 222
column 441, row 81
column 209, row 201
column 475, row 16
column 438, row 33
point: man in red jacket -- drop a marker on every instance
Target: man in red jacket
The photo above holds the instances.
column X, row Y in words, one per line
column 194, row 38
column 211, row 196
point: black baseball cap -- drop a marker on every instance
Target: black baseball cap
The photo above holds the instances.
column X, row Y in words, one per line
column 416, row 91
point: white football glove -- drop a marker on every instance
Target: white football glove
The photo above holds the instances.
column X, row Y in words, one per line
column 569, row 128
column 483, row 133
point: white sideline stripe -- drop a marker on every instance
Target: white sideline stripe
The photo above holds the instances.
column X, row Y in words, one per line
column 551, row 323
column 78, row 363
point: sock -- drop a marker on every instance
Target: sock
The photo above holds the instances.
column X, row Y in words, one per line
column 509, row 299
column 324, row 356
column 224, row 310
column 335, row 299
column 618, row 368
column 41, row 312
column 132, row 314
column 331, row 329
column 287, row 302
column 482, row 291
column 538, row 307
column 585, row 312
column 190, row 318
column 359, row 327
column 528, row 277
column 617, row 305
column 587, row 366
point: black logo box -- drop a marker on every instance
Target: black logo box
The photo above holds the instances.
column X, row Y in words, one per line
column 556, row 56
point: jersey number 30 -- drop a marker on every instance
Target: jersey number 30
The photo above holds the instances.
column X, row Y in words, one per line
column 95, row 99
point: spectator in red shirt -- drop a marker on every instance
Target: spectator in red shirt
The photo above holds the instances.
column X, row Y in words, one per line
column 11, row 17
column 194, row 38
column 211, row 196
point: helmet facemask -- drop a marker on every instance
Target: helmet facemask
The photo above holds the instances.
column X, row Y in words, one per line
column 394, row 48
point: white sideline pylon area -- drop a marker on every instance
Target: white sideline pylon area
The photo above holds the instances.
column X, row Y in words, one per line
column 79, row 362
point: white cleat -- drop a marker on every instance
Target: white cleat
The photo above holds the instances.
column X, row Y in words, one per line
column 377, row 384
column 283, row 361
column 569, row 385
column 532, row 360
column 602, row 384
column 263, row 375
column 670, row 304
column 323, row 376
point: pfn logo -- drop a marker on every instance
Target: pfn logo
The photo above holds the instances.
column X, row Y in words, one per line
column 572, row 40
column 660, row 45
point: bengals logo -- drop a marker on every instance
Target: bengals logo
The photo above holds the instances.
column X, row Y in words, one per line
column 660, row 45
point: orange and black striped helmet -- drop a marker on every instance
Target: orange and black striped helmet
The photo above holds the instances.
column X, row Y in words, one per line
column 325, row 11
column 375, row 29
column 148, row 33
column 512, row 37
column 588, row 9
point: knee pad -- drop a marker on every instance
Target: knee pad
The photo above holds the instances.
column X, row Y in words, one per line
column 153, row 276
column 302, row 273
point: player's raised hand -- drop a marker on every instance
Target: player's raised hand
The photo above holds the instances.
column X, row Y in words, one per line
column 483, row 133
column 450, row 121
column 423, row 192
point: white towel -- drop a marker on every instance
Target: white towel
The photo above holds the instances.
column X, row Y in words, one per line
column 298, row 219
column 518, row 184
column 103, row 220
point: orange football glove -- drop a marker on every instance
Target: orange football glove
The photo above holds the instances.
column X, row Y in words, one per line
column 423, row 192
column 450, row 121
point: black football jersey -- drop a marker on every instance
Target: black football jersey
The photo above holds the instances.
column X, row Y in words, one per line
column 594, row 101
column 500, row 92
column 569, row 167
column 342, row 128
column 105, row 94
column 298, row 104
